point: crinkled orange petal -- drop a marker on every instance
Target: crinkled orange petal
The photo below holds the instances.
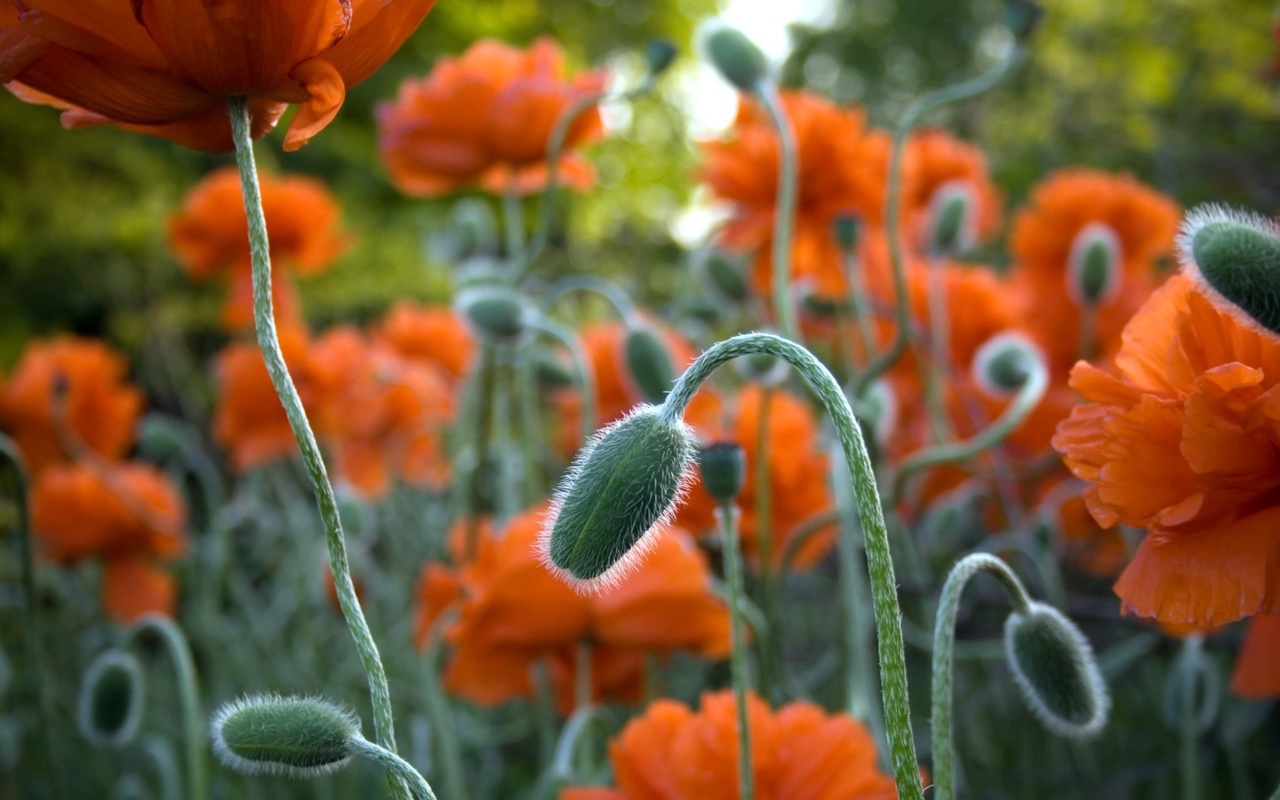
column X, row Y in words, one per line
column 378, row 29
column 325, row 93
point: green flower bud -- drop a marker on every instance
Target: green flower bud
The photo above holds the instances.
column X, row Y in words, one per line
column 624, row 484
column 550, row 371
column 1004, row 363
column 495, row 312
column 724, row 469
column 1094, row 266
column 1056, row 670
column 110, row 707
column 847, row 229
column 1235, row 257
column 723, row 274
column 648, row 363
column 952, row 219
column 1022, row 17
column 661, row 54
column 737, row 58
column 296, row 736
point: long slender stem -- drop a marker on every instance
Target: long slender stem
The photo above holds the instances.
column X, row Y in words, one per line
column 728, row 518
column 893, row 667
column 784, row 219
column 439, row 713
column 944, row 639
column 12, row 459
column 395, row 765
column 893, row 202
column 1189, row 676
column 269, row 343
column 769, row 576
column 175, row 643
column 582, row 371
column 622, row 305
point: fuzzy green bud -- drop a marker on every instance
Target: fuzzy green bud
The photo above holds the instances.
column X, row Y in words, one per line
column 296, row 736
column 661, row 54
column 110, row 706
column 1056, row 670
column 623, row 485
column 1003, row 364
column 1094, row 265
column 952, row 219
column 723, row 274
column 1235, row 256
column 737, row 58
column 494, row 312
column 648, row 363
column 724, row 469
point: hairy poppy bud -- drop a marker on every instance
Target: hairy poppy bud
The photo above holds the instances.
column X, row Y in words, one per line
column 1235, row 256
column 1056, row 671
column 724, row 468
column 737, row 58
column 723, row 274
column 297, row 736
column 1022, row 17
column 648, row 363
column 847, row 229
column 1094, row 265
column 1004, row 363
column 623, row 484
column 661, row 54
column 952, row 219
column 495, row 312
column 110, row 706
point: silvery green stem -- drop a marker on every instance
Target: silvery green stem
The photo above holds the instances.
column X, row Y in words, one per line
column 622, row 305
column 11, row 458
column 944, row 639
column 785, row 213
column 1188, row 722
column 562, row 765
column 440, row 715
column 394, row 765
column 893, row 202
column 175, row 643
column 893, row 667
column 727, row 516
column 581, row 370
column 269, row 343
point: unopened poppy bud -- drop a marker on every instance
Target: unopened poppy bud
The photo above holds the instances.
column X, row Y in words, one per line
column 762, row 369
column 495, row 312
column 1056, row 670
column 724, row 469
column 723, row 274
column 737, row 58
column 661, row 54
column 296, row 736
column 1094, row 265
column 110, row 706
column 1004, row 362
column 1022, row 17
column 550, row 372
column 1235, row 256
column 952, row 219
column 701, row 308
column 624, row 484
column 648, row 363
column 847, row 230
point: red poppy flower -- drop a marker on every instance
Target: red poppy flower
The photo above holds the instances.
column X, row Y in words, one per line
column 432, row 335
column 167, row 67
column 799, row 752
column 101, row 407
column 485, row 119
column 1184, row 441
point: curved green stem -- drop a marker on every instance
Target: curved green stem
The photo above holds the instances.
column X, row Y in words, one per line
column 784, row 219
column 12, row 459
column 1023, row 403
column 893, row 667
column 893, row 202
column 562, row 765
column 1189, row 676
column 622, row 305
column 582, row 370
column 944, row 638
column 727, row 516
column 394, row 765
column 269, row 343
column 175, row 644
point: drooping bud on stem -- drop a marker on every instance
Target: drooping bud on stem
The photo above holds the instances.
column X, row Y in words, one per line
column 1004, row 363
column 724, row 468
column 952, row 219
column 111, row 693
column 737, row 58
column 648, row 363
column 296, row 736
column 1022, row 17
column 623, row 485
column 1235, row 257
column 723, row 274
column 1094, row 265
column 496, row 313
column 847, row 230
column 661, row 54
column 1056, row 670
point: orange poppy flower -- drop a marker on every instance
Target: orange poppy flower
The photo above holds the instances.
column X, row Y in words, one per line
column 1184, row 442
column 798, row 484
column 433, row 335
column 512, row 612
column 799, row 752
column 101, row 407
column 842, row 167
column 167, row 67
column 485, row 119
column 940, row 161
column 1139, row 222
column 1258, row 664
column 134, row 585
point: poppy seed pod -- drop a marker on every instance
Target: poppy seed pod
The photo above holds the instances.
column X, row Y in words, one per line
column 737, row 58
column 1094, row 265
column 952, row 219
column 1056, row 670
column 724, row 469
column 661, row 54
column 1235, row 257
column 296, row 736
column 1004, row 362
column 648, row 363
column 110, row 706
column 624, row 484
column 495, row 312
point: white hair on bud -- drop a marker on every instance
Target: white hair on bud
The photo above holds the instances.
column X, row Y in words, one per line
column 1086, row 668
column 998, row 345
column 246, row 766
column 1192, row 223
column 1094, row 232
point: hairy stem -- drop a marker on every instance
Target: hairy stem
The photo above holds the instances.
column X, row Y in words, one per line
column 394, row 765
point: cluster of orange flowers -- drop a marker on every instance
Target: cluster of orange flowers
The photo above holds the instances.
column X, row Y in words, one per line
column 73, row 414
